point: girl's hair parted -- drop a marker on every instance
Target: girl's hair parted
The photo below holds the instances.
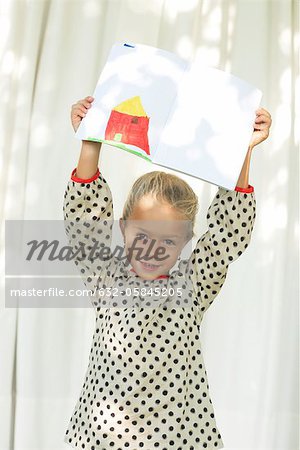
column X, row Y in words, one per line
column 165, row 187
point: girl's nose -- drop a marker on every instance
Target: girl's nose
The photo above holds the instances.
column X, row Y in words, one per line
column 151, row 247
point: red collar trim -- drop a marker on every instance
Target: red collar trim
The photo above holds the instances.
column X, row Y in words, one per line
column 161, row 276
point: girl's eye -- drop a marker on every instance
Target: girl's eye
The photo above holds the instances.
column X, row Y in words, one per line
column 169, row 242
column 141, row 236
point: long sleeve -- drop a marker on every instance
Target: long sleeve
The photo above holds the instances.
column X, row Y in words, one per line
column 230, row 219
column 88, row 219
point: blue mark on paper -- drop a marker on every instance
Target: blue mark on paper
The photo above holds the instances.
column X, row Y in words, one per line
column 128, row 45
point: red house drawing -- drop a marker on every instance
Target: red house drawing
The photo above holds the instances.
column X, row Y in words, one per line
column 129, row 123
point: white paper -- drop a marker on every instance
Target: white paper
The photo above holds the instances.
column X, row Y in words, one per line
column 210, row 127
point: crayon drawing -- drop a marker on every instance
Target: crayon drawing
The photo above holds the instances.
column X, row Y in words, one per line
column 129, row 123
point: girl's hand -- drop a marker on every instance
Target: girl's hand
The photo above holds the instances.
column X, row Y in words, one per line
column 79, row 111
column 261, row 127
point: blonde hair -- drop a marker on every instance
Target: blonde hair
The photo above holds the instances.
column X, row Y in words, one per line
column 165, row 187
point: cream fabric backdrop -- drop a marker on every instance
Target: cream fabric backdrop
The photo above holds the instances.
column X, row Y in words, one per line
column 52, row 53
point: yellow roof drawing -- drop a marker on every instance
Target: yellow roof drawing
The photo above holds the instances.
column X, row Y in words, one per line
column 132, row 106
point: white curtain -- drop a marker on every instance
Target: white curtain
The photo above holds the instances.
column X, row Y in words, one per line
column 52, row 52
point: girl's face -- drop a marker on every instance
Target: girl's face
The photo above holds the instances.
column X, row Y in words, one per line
column 156, row 234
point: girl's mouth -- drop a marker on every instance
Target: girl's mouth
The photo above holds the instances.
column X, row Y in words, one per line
column 149, row 267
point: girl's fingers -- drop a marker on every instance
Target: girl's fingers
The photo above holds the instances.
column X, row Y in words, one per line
column 262, row 118
column 263, row 111
column 84, row 102
column 263, row 115
column 81, row 114
column 82, row 105
column 262, row 126
column 79, row 109
column 87, row 101
column 78, row 112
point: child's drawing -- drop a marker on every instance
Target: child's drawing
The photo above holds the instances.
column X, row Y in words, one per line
column 129, row 123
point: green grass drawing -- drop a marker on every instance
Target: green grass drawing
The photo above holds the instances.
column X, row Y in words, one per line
column 120, row 145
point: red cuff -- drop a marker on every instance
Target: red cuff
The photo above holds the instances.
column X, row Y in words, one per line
column 246, row 190
column 81, row 180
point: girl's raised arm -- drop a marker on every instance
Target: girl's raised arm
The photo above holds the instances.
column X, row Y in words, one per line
column 230, row 220
column 261, row 129
column 89, row 156
column 88, row 213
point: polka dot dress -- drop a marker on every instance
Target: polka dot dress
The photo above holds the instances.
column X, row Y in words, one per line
column 146, row 385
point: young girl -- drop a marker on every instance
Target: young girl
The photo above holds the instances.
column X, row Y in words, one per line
column 146, row 384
